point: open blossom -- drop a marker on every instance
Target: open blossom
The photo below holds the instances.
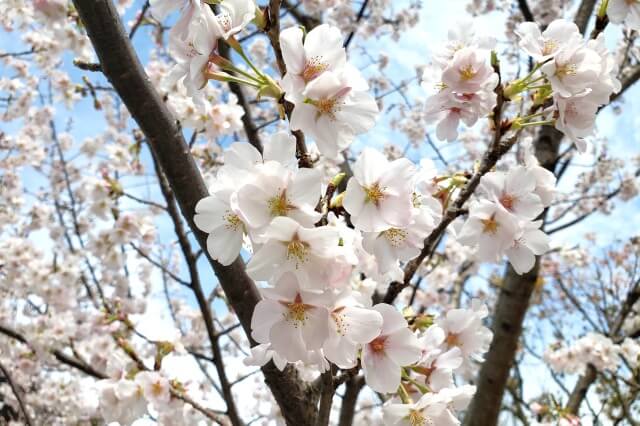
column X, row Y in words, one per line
column 121, row 401
column 288, row 246
column 350, row 325
column 333, row 109
column 395, row 347
column 437, row 363
column 514, row 191
column 544, row 45
column 430, row 409
column 491, row 228
column 292, row 320
column 464, row 330
column 234, row 16
column 379, row 196
column 627, row 11
column 573, row 70
column 462, row 34
column 191, row 41
column 155, row 387
column 322, row 50
column 468, row 71
column 276, row 191
column 576, row 118
column 529, row 242
column 402, row 244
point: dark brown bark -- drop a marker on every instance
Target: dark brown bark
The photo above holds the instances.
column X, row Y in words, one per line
column 349, row 400
column 121, row 66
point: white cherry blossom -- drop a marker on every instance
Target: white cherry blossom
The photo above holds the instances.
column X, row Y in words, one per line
column 379, row 196
column 395, row 347
column 291, row 319
column 308, row 56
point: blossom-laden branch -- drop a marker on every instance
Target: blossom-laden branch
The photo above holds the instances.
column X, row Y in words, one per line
column 121, row 66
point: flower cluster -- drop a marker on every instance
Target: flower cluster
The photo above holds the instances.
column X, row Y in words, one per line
column 579, row 76
column 463, row 80
column 503, row 220
column 330, row 96
column 593, row 349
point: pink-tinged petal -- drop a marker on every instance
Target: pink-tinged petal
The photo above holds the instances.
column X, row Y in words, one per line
column 392, row 319
column 242, row 156
column 265, row 315
column 210, row 213
column 340, row 351
column 360, row 113
column 393, row 414
column 451, row 359
column 303, row 117
column 264, row 262
column 282, row 229
column 381, row 373
column 399, row 175
column 403, row 347
column 433, row 337
column 292, row 49
column 326, row 42
column 361, row 325
column 305, row 189
column 328, row 135
column 323, row 240
column 286, row 288
column 396, row 210
column 315, row 329
column 224, row 244
column 354, row 198
column 537, row 241
column 281, row 148
column 519, row 180
column 521, row 258
column 253, row 206
column 286, row 340
column 323, row 87
column 370, row 166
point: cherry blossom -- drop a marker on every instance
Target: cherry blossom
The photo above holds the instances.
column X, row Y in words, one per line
column 380, row 194
column 542, row 46
column 288, row 246
column 430, row 409
column 290, row 319
column 333, row 109
column 395, row 347
column 320, row 51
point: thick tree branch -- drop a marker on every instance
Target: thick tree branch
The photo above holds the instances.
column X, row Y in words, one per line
column 125, row 72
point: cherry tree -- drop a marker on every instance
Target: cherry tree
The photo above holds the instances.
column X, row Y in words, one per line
column 242, row 212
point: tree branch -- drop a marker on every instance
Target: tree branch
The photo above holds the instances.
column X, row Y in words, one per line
column 125, row 72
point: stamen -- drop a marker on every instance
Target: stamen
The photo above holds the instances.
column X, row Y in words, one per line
column 395, row 236
column 490, row 226
column 374, row 194
column 279, row 205
column 467, row 72
column 233, row 220
column 313, row 68
column 298, row 251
